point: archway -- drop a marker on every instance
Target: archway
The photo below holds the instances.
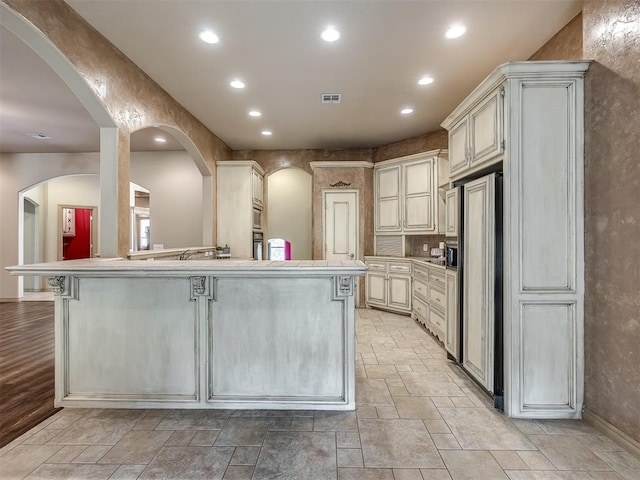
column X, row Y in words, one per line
column 289, row 199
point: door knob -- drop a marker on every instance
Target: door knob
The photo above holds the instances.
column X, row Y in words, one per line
column 351, row 255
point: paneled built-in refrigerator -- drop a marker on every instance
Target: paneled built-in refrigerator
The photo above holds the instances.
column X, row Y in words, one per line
column 480, row 271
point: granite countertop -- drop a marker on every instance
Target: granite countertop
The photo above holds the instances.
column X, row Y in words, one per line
column 124, row 267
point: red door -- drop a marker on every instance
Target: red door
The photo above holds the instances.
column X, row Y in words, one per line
column 79, row 245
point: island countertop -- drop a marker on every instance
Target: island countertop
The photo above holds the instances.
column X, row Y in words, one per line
column 124, row 267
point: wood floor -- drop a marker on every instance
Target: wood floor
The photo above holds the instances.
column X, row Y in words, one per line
column 26, row 367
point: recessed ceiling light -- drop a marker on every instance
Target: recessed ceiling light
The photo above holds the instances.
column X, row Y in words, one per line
column 237, row 83
column 406, row 111
column 38, row 136
column 254, row 113
column 208, row 36
column 267, row 133
column 455, row 31
column 160, row 139
column 426, row 80
column 330, row 34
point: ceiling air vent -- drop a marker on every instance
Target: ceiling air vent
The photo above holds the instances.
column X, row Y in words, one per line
column 331, row 98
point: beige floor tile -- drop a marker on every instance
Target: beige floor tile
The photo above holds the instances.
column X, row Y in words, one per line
column 366, row 412
column 605, row 476
column 365, row 474
column 239, row 472
column 348, row 439
column 623, row 462
column 326, row 421
column 472, row 465
column 23, row 459
column 442, row 402
column 528, row 427
column 127, row 472
column 399, row 391
column 99, row 430
column 148, row 423
column 397, row 443
column 430, row 384
column 509, row 460
column 194, row 420
column 181, row 438
column 204, row 438
column 437, row 426
column 55, row 471
column 137, row 447
column 462, row 402
column 245, row 456
column 566, row 453
column 387, row 412
column 407, row 474
column 301, row 424
column 567, row 427
column 92, row 454
column 243, row 431
column 445, row 441
column 435, row 474
column 67, row 454
column 350, row 457
column 536, row 460
column 546, row 475
column 417, row 407
column 41, row 437
column 189, row 463
column 599, row 443
column 482, row 429
column 373, row 392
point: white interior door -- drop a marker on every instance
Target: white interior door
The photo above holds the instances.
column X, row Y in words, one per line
column 341, row 225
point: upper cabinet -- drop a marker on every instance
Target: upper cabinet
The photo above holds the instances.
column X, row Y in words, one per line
column 406, row 194
column 476, row 139
column 257, row 187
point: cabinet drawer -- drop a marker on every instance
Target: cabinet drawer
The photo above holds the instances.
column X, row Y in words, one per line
column 436, row 320
column 421, row 274
column 420, row 310
column 436, row 277
column 420, row 290
column 377, row 266
column 437, row 298
column 400, row 268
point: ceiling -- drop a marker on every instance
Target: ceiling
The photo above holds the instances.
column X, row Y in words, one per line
column 275, row 48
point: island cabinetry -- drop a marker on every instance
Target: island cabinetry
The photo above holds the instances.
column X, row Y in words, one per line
column 477, row 139
column 203, row 334
column 240, row 205
column 406, row 194
column 388, row 284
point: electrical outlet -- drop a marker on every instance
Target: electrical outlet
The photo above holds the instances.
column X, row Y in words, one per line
column 425, row 247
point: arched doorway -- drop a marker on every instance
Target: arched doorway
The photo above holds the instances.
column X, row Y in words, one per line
column 289, row 193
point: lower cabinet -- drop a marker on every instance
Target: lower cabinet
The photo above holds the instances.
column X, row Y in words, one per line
column 429, row 300
column 452, row 333
column 389, row 284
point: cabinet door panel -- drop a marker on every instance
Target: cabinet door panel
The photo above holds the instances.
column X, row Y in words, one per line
column 451, row 217
column 388, row 215
column 376, row 288
column 486, row 129
column 400, row 292
column 418, row 178
column 419, row 213
column 458, row 160
column 388, row 182
column 479, row 275
column 451, row 337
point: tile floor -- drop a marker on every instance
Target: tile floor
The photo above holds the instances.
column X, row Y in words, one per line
column 418, row 417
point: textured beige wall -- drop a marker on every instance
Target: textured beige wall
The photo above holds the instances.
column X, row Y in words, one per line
column 612, row 202
column 607, row 31
column 272, row 160
column 422, row 143
column 132, row 99
column 564, row 45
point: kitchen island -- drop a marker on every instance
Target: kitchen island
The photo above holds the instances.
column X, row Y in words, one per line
column 203, row 334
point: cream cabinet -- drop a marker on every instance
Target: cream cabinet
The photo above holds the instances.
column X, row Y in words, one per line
column 240, row 199
column 388, row 284
column 530, row 117
column 406, row 194
column 452, row 202
column 452, row 333
column 476, row 140
column 429, row 304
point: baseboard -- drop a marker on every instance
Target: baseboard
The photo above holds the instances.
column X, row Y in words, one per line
column 612, row 432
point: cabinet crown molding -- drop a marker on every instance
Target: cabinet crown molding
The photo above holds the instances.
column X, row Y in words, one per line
column 240, row 163
column 441, row 152
column 341, row 164
column 514, row 70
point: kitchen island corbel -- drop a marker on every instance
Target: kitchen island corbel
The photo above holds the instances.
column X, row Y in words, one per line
column 203, row 334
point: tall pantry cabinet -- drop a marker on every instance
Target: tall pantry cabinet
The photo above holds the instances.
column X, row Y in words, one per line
column 528, row 118
column 240, row 205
